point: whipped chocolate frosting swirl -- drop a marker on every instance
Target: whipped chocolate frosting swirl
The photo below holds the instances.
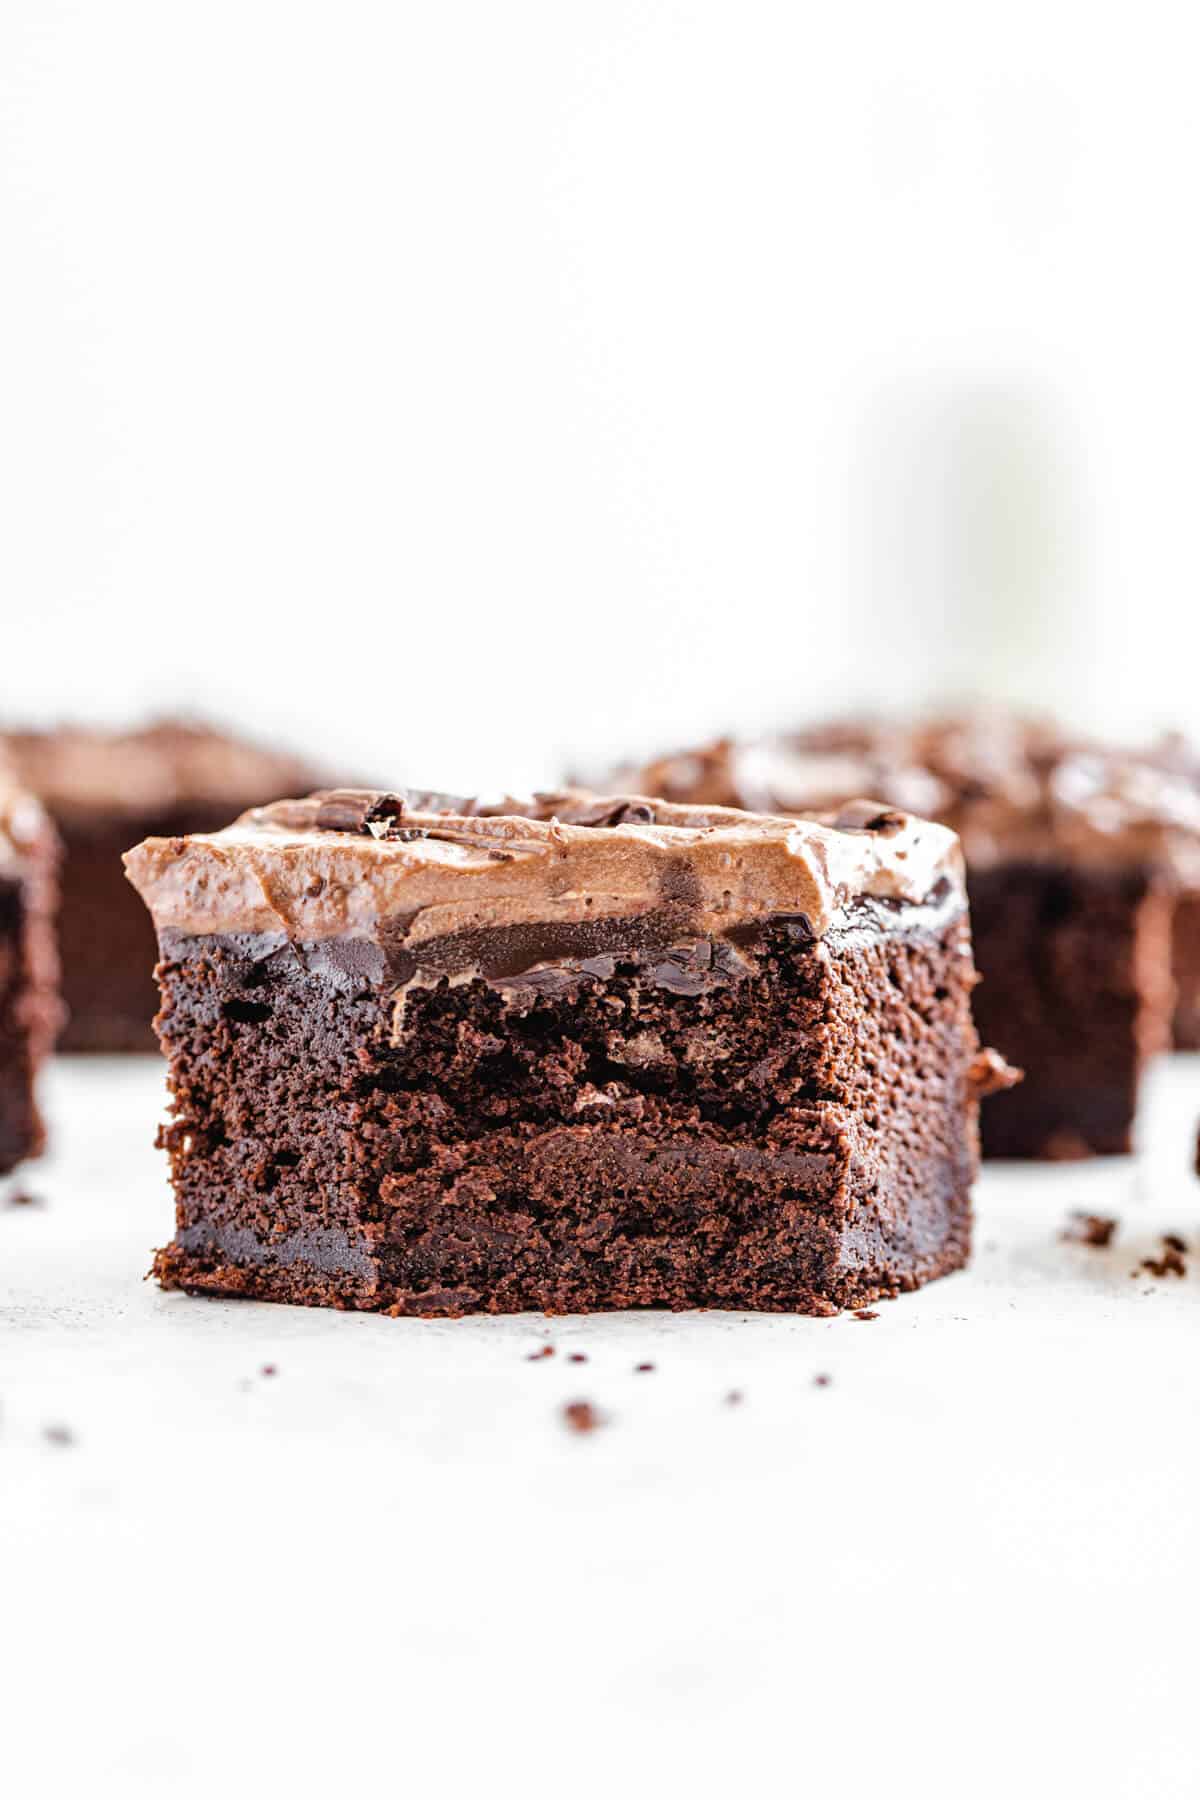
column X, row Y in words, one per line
column 420, row 867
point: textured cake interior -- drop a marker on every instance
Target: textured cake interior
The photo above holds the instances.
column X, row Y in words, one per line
column 1075, row 989
column 801, row 1137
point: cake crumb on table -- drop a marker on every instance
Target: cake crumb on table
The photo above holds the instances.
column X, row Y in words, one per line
column 22, row 1197
column 1169, row 1263
column 581, row 1415
column 1093, row 1229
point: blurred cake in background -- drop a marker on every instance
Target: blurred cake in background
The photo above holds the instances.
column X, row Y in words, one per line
column 30, row 1010
column 106, row 790
column 1081, row 859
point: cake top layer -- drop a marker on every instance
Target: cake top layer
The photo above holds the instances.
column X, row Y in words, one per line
column 1010, row 786
column 425, row 866
column 80, row 771
column 24, row 829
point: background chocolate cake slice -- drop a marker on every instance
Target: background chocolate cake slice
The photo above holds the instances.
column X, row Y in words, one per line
column 105, row 790
column 1179, row 759
column 29, row 1005
column 436, row 1057
column 1079, row 858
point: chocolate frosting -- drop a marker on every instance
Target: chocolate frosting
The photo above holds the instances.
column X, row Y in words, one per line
column 1011, row 787
column 429, row 876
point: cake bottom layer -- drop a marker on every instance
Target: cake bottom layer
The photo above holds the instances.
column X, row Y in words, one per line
column 584, row 1218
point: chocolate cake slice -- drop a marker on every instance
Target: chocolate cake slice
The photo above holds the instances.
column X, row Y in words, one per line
column 1079, row 858
column 105, row 790
column 29, row 1005
column 433, row 1056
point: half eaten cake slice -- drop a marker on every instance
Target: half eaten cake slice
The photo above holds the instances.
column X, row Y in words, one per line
column 436, row 1056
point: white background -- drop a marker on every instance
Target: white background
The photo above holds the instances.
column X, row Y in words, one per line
column 966, row 1567
column 466, row 388
column 470, row 388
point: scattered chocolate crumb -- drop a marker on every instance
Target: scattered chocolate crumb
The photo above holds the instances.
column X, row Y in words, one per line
column 1174, row 1242
column 581, row 1415
column 269, row 1369
column 644, row 1369
column 23, row 1197
column 1169, row 1263
column 59, row 1435
column 866, row 1313
column 1089, row 1228
column 734, row 1397
column 577, row 1356
column 539, row 1355
column 822, row 1380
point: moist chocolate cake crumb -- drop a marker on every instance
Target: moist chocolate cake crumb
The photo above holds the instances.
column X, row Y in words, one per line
column 59, row 1435
column 866, row 1313
column 1173, row 1241
column 581, row 1415
column 540, row 1355
column 1093, row 1229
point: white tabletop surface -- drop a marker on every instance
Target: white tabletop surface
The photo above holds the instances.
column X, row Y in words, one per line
column 967, row 1565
